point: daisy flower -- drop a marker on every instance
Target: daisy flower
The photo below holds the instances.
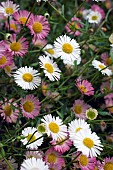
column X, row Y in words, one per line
column 19, row 47
column 51, row 69
column 32, row 139
column 22, row 17
column 9, row 68
column 74, row 26
column 98, row 9
column 35, row 154
column 106, row 59
column 71, row 63
column 9, row 111
column 91, row 113
column 50, row 51
column 67, row 48
column 8, row 8
column 79, row 108
column 45, row 89
column 6, row 59
column 62, row 145
column 54, row 127
column 109, row 102
column 13, row 26
column 101, row 67
column 107, row 164
column 75, row 126
column 27, row 78
column 39, row 43
column 84, row 162
column 85, row 87
column 39, row 26
column 105, row 87
column 30, row 106
column 88, row 143
column 33, row 163
column 94, row 17
column 54, row 157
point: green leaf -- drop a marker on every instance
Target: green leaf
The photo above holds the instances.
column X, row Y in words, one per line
column 102, row 113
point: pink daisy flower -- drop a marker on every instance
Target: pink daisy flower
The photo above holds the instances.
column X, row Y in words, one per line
column 61, row 145
column 22, row 17
column 38, row 42
column 106, row 59
column 7, row 111
column 54, row 157
column 8, row 8
column 74, row 26
column 9, row 68
column 54, row 166
column 19, row 47
column 13, row 26
column 105, row 87
column 35, row 154
column 30, row 106
column 79, row 108
column 107, row 164
column 2, row 48
column 83, row 162
column 45, row 89
column 39, row 26
column 85, row 87
column 109, row 102
column 98, row 9
column 6, row 59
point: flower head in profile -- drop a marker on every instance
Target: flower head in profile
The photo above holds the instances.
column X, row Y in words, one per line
column 74, row 26
column 79, row 108
column 30, row 106
column 101, row 67
column 83, row 162
column 54, row 157
column 8, row 8
column 33, row 163
column 54, row 127
column 27, row 78
column 51, row 69
column 85, row 87
column 9, row 111
column 32, row 138
column 67, row 48
column 88, row 143
column 17, row 47
column 39, row 26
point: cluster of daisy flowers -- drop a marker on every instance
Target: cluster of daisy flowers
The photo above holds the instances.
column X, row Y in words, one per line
column 56, row 87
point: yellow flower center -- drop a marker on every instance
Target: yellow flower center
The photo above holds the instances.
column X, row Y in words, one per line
column 23, row 20
column 52, row 158
column 37, row 27
column 8, row 110
column 108, row 166
column 108, row 61
column 31, row 138
column 83, row 88
column 88, row 142
column 54, row 127
column 9, row 10
column 27, row 77
column 13, row 26
column 110, row 108
column 15, row 46
column 3, row 60
column 78, row 109
column 102, row 66
column 67, row 48
column 78, row 129
column 83, row 160
column 49, row 68
column 74, row 26
column 28, row 106
column 8, row 69
column 94, row 17
column 50, row 51
column 95, row 168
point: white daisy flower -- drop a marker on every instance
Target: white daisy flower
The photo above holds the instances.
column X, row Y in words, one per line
column 94, row 17
column 27, row 78
column 67, row 48
column 88, row 143
column 71, row 63
column 32, row 139
column 8, row 8
column 34, row 164
column 85, row 13
column 75, row 126
column 51, row 69
column 54, row 127
column 101, row 67
column 50, row 51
